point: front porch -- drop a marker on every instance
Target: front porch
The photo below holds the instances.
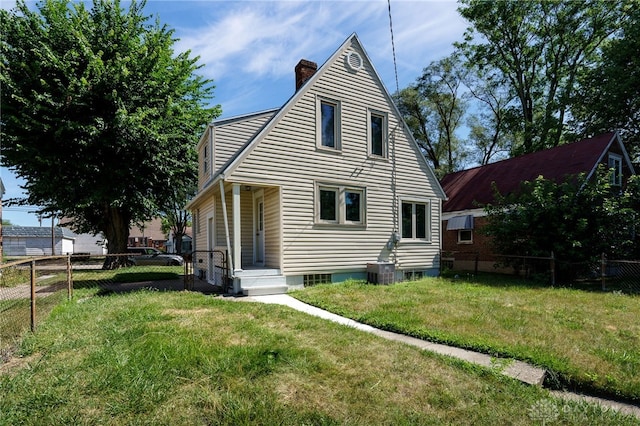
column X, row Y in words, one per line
column 244, row 220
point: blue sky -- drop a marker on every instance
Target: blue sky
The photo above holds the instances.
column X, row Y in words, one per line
column 250, row 48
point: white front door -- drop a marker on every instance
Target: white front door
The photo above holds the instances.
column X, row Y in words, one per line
column 259, row 230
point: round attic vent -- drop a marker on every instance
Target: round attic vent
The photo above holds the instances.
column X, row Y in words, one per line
column 354, row 61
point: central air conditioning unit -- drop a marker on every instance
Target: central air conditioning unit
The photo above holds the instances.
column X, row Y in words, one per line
column 381, row 273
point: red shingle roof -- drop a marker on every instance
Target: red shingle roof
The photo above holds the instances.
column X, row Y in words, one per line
column 470, row 189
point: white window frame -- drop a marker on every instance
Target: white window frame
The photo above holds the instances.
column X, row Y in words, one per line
column 337, row 123
column 615, row 163
column 428, row 230
column 341, row 207
column 385, row 150
column 461, row 241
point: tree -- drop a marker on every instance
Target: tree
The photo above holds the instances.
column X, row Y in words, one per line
column 577, row 221
column 175, row 219
column 99, row 114
column 609, row 97
column 433, row 109
column 540, row 47
column 490, row 126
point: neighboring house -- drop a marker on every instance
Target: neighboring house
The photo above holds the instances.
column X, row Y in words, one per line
column 187, row 242
column 149, row 234
column 326, row 188
column 89, row 244
column 469, row 190
column 37, row 241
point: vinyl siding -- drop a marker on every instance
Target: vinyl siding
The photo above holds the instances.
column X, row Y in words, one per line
column 229, row 138
column 272, row 227
column 272, row 224
column 287, row 156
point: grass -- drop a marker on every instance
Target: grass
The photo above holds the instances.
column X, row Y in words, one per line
column 15, row 304
column 13, row 276
column 587, row 339
column 180, row 358
column 92, row 278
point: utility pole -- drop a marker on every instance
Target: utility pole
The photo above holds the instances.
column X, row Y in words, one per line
column 53, row 238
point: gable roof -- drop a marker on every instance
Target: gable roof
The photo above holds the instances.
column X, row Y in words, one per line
column 152, row 229
column 246, row 149
column 469, row 189
column 36, row 232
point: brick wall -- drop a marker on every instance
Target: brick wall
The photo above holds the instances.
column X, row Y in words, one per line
column 465, row 253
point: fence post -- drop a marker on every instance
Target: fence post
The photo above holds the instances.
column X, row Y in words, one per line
column 603, row 270
column 33, row 295
column 69, row 278
column 553, row 269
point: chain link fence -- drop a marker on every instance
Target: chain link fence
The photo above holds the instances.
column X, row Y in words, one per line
column 604, row 274
column 31, row 288
column 622, row 275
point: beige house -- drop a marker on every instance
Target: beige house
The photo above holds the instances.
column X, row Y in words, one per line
column 331, row 186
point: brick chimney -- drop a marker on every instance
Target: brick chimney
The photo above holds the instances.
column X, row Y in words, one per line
column 304, row 70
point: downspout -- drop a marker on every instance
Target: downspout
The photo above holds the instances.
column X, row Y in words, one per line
column 226, row 225
column 395, row 202
column 440, row 235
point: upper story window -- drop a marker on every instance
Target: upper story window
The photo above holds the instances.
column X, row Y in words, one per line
column 340, row 205
column 615, row 164
column 415, row 220
column 205, row 159
column 328, row 124
column 377, row 134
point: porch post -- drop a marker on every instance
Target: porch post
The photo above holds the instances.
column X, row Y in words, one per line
column 237, row 238
column 223, row 198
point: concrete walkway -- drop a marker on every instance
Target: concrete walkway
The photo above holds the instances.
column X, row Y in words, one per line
column 516, row 369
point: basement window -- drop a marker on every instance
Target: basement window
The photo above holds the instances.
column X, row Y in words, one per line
column 315, row 279
column 413, row 275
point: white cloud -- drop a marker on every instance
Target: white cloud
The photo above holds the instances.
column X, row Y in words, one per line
column 268, row 38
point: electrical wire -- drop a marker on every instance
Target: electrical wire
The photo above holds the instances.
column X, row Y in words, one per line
column 393, row 48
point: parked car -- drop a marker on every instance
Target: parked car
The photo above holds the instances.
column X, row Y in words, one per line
column 153, row 256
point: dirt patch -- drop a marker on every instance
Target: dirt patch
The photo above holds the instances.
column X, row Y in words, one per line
column 10, row 365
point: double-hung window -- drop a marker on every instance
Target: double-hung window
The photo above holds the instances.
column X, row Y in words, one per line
column 340, row 205
column 615, row 164
column 377, row 136
column 415, row 220
column 328, row 124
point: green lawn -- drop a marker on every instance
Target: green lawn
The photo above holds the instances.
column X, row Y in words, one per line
column 586, row 338
column 180, row 358
column 97, row 277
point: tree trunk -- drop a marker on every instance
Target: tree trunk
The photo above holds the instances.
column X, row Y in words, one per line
column 178, row 242
column 117, row 234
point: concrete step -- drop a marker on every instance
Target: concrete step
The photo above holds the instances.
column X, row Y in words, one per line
column 257, row 273
column 264, row 290
column 264, row 281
